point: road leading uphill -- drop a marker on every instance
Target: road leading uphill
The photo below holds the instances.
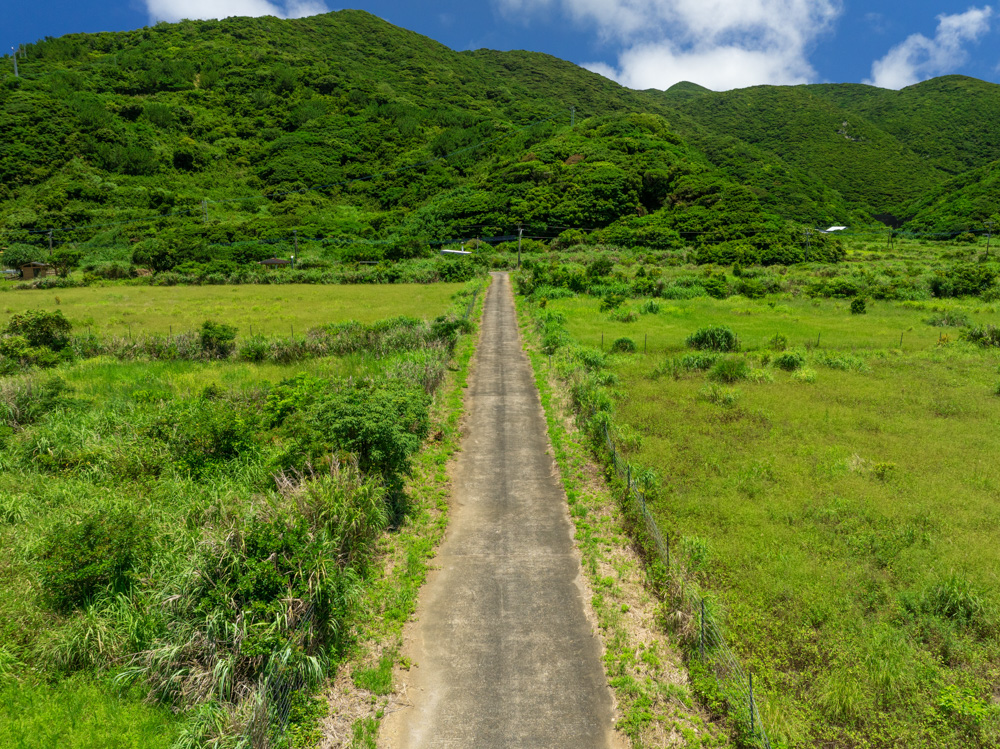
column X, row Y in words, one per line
column 503, row 652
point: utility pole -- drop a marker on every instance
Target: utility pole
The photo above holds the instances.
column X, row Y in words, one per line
column 50, row 242
column 989, row 234
column 520, row 231
column 14, row 55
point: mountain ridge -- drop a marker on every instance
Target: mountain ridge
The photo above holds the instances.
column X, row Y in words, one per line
column 354, row 126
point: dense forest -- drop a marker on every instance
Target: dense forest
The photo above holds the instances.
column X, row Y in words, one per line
column 350, row 139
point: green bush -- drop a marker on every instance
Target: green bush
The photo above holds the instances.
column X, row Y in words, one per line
column 949, row 319
column 983, row 335
column 41, row 329
column 789, row 361
column 611, row 301
column 623, row 346
column 217, row 339
column 858, row 306
column 15, row 255
column 713, row 338
column 720, row 396
column 201, row 432
column 698, row 362
column 382, row 423
column 104, row 550
column 729, row 370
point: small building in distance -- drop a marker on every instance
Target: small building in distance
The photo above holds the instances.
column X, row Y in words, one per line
column 36, row 270
column 275, row 262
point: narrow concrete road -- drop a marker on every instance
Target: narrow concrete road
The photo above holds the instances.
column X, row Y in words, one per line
column 503, row 652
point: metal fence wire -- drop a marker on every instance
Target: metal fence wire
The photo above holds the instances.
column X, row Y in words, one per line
column 735, row 684
column 272, row 703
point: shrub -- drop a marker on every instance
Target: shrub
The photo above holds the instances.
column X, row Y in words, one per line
column 698, row 362
column 611, row 301
column 650, row 307
column 15, row 255
column 255, row 349
column 984, row 335
column 789, row 361
column 102, row 550
column 623, row 346
column 805, row 374
column 624, row 315
column 41, row 329
column 858, row 306
column 778, row 343
column 200, row 432
column 217, row 339
column 720, row 396
column 713, row 338
column 380, row 422
column 949, row 319
column 730, row 369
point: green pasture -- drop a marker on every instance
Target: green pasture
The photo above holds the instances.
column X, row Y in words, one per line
column 804, row 322
column 79, row 714
column 843, row 516
column 182, row 446
column 277, row 310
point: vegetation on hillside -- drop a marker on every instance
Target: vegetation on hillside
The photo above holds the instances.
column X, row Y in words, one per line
column 209, row 145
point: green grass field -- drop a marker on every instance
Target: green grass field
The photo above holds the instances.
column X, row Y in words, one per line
column 277, row 310
column 844, row 515
column 80, row 714
column 96, row 450
column 802, row 321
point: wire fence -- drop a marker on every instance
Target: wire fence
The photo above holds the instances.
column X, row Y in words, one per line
column 267, row 724
column 735, row 685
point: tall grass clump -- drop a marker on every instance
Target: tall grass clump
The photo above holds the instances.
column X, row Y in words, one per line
column 713, row 338
column 729, row 369
column 983, row 335
column 949, row 319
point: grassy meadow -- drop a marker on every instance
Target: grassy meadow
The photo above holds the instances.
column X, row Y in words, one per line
column 835, row 493
column 188, row 530
column 268, row 310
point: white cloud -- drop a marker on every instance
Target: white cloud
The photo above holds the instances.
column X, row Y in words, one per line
column 176, row 10
column 919, row 58
column 720, row 44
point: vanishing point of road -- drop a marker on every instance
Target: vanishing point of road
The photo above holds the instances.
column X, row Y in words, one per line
column 503, row 653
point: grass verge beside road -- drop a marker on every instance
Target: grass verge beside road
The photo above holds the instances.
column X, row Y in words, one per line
column 654, row 701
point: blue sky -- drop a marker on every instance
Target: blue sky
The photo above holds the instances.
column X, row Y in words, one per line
column 721, row 44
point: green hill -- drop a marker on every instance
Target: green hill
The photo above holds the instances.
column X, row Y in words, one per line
column 199, row 140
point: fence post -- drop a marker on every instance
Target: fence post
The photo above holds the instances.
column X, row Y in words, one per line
column 702, row 642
